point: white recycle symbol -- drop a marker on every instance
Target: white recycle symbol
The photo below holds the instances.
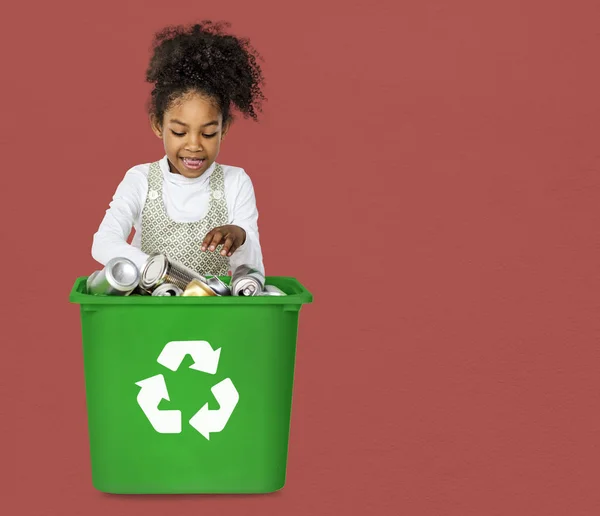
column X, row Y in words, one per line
column 154, row 389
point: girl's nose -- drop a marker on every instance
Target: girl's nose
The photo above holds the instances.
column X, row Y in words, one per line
column 193, row 143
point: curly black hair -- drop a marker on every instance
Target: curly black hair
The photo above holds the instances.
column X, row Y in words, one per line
column 203, row 58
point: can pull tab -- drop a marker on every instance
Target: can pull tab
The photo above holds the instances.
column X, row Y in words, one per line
column 248, row 291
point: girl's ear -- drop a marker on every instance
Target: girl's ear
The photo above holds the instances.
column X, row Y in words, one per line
column 226, row 127
column 156, row 129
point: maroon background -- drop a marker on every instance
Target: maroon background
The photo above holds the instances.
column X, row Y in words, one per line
column 429, row 172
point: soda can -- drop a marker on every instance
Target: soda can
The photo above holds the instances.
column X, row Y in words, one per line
column 158, row 269
column 198, row 288
column 90, row 280
column 220, row 288
column 167, row 289
column 272, row 290
column 139, row 291
column 119, row 277
column 247, row 281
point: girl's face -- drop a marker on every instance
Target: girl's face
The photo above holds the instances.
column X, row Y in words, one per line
column 191, row 130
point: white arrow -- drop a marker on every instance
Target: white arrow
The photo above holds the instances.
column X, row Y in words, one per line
column 205, row 359
column 207, row 421
column 153, row 390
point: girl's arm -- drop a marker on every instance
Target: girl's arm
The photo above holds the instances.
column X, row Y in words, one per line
column 245, row 215
column 110, row 240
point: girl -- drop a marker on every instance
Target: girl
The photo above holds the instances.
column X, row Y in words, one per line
column 198, row 212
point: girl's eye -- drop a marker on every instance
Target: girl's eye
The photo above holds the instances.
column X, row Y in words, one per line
column 205, row 135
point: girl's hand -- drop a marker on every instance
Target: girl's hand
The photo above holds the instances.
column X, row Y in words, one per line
column 232, row 236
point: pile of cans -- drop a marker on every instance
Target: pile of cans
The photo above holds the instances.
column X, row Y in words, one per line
column 163, row 277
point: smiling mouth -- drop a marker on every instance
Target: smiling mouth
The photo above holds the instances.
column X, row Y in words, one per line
column 193, row 163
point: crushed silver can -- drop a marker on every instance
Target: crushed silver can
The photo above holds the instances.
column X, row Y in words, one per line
column 272, row 290
column 119, row 277
column 159, row 270
column 220, row 288
column 247, row 281
column 198, row 288
column 167, row 289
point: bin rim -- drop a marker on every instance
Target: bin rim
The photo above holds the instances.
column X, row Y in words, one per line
column 299, row 296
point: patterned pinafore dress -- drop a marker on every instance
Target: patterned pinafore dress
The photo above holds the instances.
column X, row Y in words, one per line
column 181, row 241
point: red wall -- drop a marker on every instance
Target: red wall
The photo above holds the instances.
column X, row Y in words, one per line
column 427, row 169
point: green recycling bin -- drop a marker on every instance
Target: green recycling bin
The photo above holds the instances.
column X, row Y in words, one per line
column 189, row 394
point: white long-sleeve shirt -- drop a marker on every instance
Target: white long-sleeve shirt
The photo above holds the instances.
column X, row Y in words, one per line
column 186, row 200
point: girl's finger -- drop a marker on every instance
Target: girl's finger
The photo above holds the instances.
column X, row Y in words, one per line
column 216, row 240
column 237, row 242
column 232, row 250
column 227, row 245
column 207, row 239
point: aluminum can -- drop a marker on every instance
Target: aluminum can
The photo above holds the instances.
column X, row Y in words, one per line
column 198, row 288
column 167, row 289
column 220, row 288
column 90, row 280
column 271, row 290
column 139, row 291
column 119, row 277
column 247, row 281
column 159, row 269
